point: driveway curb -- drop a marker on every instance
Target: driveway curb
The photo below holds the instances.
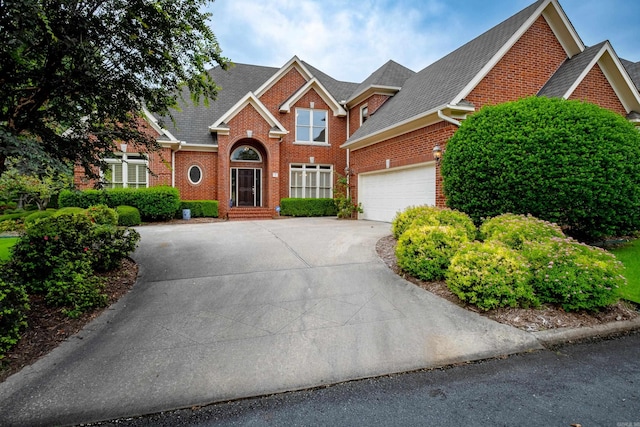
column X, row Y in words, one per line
column 552, row 337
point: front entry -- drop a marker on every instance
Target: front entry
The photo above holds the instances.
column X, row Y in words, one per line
column 246, row 187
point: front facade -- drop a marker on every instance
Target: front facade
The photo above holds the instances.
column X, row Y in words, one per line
column 293, row 131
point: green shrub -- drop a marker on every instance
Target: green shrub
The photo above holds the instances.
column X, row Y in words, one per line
column 32, row 217
column 102, row 214
column 57, row 257
column 574, row 275
column 513, row 230
column 157, row 203
column 14, row 304
column 15, row 216
column 71, row 210
column 13, row 225
column 491, row 275
column 81, row 199
column 73, row 286
column 128, row 216
column 154, row 203
column 425, row 251
column 568, row 162
column 307, row 207
column 431, row 215
column 200, row 208
column 110, row 244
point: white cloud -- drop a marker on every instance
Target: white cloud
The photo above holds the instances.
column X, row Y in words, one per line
column 347, row 40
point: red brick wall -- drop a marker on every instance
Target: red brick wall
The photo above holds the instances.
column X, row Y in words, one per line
column 300, row 153
column 523, row 70
column 206, row 189
column 595, row 88
column 282, row 90
column 408, row 149
column 373, row 103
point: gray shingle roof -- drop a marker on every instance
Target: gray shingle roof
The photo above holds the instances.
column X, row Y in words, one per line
column 568, row 73
column 391, row 74
column 338, row 89
column 633, row 68
column 439, row 83
column 192, row 121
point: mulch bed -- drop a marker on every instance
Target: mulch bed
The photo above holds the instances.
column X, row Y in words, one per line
column 534, row 319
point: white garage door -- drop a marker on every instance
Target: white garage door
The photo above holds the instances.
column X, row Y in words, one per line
column 383, row 194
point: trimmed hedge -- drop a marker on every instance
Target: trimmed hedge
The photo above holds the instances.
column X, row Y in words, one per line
column 154, row 203
column 308, row 207
column 199, row 208
column 128, row 216
column 37, row 215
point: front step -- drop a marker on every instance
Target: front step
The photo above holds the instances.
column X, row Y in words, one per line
column 250, row 213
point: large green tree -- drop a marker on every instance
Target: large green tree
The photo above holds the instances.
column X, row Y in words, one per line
column 75, row 74
column 569, row 162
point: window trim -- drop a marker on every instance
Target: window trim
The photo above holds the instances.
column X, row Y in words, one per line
column 189, row 174
column 122, row 159
column 307, row 168
column 311, row 126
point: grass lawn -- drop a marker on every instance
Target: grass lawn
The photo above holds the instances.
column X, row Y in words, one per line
column 629, row 255
column 5, row 244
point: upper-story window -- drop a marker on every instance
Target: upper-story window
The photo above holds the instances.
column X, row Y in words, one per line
column 245, row 154
column 311, row 126
column 364, row 113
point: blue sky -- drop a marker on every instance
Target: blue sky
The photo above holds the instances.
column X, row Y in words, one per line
column 349, row 39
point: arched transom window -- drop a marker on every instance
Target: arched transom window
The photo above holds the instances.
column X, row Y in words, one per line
column 245, row 154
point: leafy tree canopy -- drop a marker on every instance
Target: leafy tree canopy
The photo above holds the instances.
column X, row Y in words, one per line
column 75, row 74
column 568, row 162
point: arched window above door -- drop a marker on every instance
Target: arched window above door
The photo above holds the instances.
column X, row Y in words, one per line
column 245, row 154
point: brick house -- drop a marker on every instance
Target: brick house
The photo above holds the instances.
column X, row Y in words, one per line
column 292, row 131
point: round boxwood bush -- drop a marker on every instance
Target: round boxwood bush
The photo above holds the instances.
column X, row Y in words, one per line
column 491, row 275
column 574, row 275
column 564, row 161
column 31, row 218
column 102, row 214
column 431, row 215
column 425, row 251
column 128, row 216
column 513, row 230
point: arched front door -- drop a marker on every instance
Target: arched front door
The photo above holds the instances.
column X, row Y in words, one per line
column 247, row 164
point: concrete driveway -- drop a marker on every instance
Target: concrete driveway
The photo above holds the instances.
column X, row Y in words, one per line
column 236, row 309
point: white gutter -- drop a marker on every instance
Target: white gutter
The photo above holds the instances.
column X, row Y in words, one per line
column 448, row 119
column 173, row 163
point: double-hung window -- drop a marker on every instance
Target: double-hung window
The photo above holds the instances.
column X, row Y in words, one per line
column 311, row 126
column 126, row 171
column 311, row 181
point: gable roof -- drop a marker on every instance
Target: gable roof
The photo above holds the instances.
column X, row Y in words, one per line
column 633, row 68
column 192, row 121
column 220, row 125
column 441, row 82
column 389, row 79
column 571, row 73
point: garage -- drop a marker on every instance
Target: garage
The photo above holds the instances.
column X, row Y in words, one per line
column 384, row 193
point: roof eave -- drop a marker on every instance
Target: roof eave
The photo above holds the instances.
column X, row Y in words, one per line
column 372, row 90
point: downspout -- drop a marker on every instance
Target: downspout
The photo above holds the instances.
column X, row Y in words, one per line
column 344, row 105
column 448, row 119
column 173, row 164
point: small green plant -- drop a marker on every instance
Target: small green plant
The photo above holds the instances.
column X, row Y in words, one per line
column 574, row 275
column 514, row 230
column 200, row 208
column 425, row 251
column 491, row 275
column 14, row 304
column 346, row 207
